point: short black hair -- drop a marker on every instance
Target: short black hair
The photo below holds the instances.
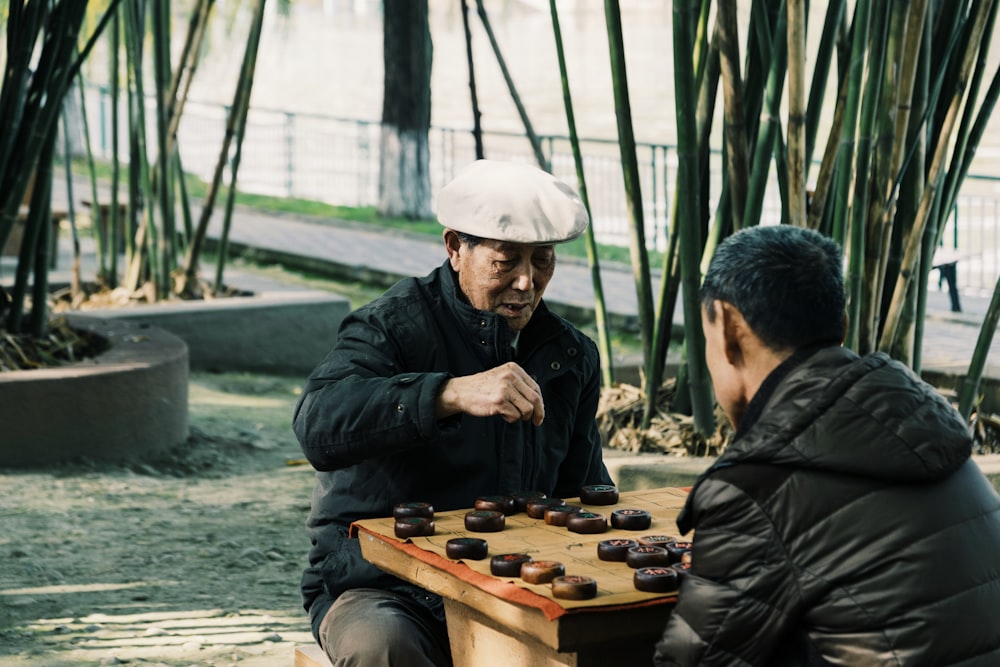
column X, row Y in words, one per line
column 788, row 282
column 469, row 239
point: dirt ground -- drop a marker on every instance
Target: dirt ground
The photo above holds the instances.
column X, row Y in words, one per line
column 191, row 560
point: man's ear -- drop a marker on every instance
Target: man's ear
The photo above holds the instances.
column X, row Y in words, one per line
column 734, row 331
column 453, row 245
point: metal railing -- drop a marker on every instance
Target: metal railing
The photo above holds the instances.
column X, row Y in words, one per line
column 336, row 160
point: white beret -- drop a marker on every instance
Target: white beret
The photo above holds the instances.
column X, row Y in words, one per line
column 511, row 202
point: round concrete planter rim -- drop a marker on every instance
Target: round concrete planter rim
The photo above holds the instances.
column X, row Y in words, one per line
column 129, row 402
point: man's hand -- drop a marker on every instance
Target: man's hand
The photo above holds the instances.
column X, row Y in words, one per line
column 506, row 390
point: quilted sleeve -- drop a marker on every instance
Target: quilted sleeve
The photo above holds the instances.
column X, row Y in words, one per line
column 736, row 602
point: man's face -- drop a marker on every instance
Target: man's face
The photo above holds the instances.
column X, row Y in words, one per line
column 503, row 278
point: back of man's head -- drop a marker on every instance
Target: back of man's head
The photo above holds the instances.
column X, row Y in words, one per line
column 788, row 283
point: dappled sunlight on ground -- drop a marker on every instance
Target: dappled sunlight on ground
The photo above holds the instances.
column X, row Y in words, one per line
column 193, row 637
column 190, row 560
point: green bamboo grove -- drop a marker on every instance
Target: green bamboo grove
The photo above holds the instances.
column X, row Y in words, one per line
column 865, row 124
column 905, row 82
column 149, row 217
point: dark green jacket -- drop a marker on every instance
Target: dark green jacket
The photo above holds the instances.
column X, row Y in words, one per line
column 846, row 524
column 366, row 421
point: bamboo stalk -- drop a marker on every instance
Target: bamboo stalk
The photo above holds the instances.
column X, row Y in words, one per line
column 536, row 145
column 97, row 215
column 185, row 280
column 829, row 165
column 707, row 82
column 796, row 113
column 477, row 129
column 145, row 256
column 758, row 67
column 630, row 174
column 821, row 73
column 115, row 223
column 859, row 30
column 707, row 67
column 245, row 83
column 961, row 154
column 912, row 35
column 969, row 390
column 165, row 237
column 911, row 255
column 702, row 43
column 180, row 85
column 764, row 145
column 75, row 291
column 33, row 248
column 690, row 237
column 906, row 346
column 978, row 129
column 600, row 310
column 860, row 332
column 42, row 236
column 733, row 111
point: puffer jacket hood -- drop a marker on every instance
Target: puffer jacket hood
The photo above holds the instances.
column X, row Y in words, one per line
column 829, row 412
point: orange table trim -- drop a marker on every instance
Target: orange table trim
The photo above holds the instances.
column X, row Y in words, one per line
column 504, row 588
column 500, row 588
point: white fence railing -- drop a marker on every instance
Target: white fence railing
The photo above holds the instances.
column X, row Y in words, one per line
column 336, row 160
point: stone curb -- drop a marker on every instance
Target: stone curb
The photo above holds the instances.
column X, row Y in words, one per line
column 652, row 471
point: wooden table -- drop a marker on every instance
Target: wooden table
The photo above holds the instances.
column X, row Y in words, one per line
column 491, row 619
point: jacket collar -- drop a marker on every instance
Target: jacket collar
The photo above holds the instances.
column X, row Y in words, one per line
column 770, row 383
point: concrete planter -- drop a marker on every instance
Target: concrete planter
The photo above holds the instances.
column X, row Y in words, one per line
column 128, row 403
column 283, row 331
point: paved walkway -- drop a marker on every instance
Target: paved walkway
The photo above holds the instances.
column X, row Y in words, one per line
column 359, row 250
column 362, row 251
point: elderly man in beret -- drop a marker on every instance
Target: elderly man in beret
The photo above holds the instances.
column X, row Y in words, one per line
column 448, row 387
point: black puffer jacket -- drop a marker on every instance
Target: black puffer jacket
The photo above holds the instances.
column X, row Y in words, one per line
column 846, row 524
column 366, row 421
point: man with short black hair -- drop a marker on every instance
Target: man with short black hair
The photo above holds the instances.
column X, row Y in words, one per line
column 448, row 387
column 846, row 523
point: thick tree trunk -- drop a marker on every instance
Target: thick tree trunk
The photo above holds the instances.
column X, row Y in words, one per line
column 404, row 180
